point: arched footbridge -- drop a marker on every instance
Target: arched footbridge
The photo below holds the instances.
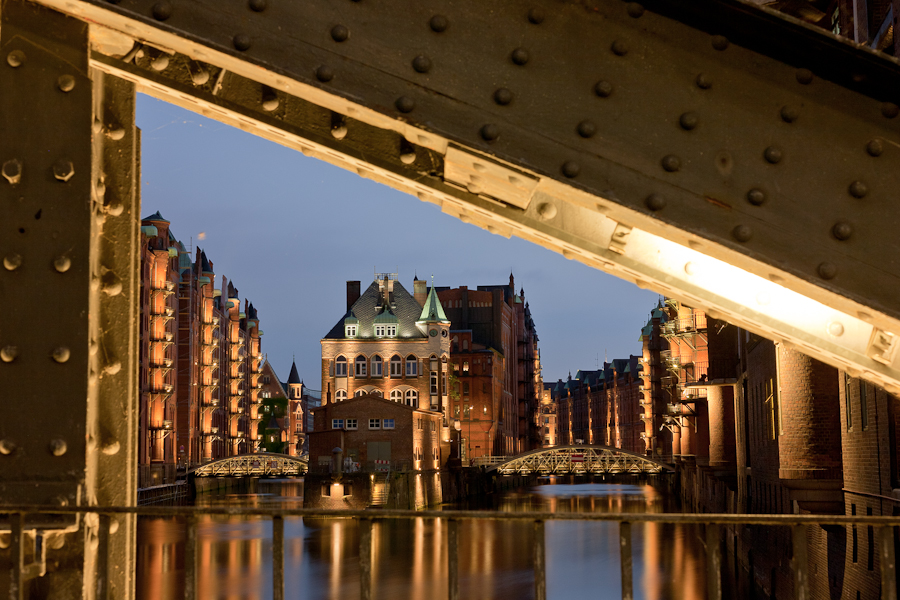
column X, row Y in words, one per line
column 580, row 460
column 263, row 464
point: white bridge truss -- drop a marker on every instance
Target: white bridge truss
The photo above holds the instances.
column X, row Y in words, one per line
column 599, row 460
column 263, row 464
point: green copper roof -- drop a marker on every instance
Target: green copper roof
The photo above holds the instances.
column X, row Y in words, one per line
column 433, row 311
column 150, row 230
column 155, row 217
column 386, row 316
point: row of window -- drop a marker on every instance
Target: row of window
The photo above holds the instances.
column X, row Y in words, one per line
column 352, row 424
column 380, row 331
column 411, row 396
column 361, row 366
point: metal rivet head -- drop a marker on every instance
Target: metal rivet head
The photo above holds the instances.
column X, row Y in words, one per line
column 875, row 147
column 689, row 121
column 62, row 264
column 58, row 447
column 63, row 170
column 162, row 10
column 789, row 114
column 587, row 129
column 241, row 42
column 890, row 110
column 858, row 189
column 635, row 10
column 324, row 73
column 66, row 83
column 804, row 76
column 115, row 133
column 756, row 197
column 12, row 171
column 9, row 353
column 199, row 73
column 571, row 169
column 340, row 33
column 520, row 56
column 408, row 157
column 12, row 261
column 619, row 48
column 160, row 63
column 7, row 447
column 405, row 104
column 703, row 81
column 742, row 233
column 826, row 270
column 835, row 329
column 15, row 59
column 655, row 202
column 536, row 16
column 258, row 5
column 773, row 155
column 339, row 131
column 61, row 354
column 503, row 96
column 720, row 42
column 604, row 89
column 547, row 210
column 421, row 64
column 671, row 163
column 490, row 132
column 842, row 230
column 439, row 23
column 269, row 100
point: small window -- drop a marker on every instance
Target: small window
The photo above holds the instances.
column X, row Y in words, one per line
column 374, row 423
column 377, row 393
column 465, row 366
column 412, row 398
column 433, row 426
column 340, row 395
column 361, row 366
column 411, row 366
column 419, row 424
column 466, row 388
column 387, row 424
column 391, row 331
column 360, row 393
column 340, row 367
column 379, row 331
column 337, row 423
column 396, row 366
column 434, row 383
column 350, row 331
column 396, row 396
column 351, row 423
column 376, row 366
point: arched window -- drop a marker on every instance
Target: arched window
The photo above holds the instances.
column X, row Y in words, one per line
column 340, row 367
column 376, row 366
column 396, row 366
column 412, row 366
column 396, row 396
column 377, row 393
column 359, row 393
column 340, row 395
column 412, row 398
column 361, row 366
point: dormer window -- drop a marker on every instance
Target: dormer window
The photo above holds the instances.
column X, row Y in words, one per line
column 350, row 331
column 379, row 330
column 391, row 331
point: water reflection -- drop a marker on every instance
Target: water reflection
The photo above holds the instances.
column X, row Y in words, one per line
column 410, row 557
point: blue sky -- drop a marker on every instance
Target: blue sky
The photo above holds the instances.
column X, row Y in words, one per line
column 289, row 231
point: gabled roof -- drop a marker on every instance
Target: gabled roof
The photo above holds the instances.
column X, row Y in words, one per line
column 369, row 305
column 433, row 311
column 294, row 377
column 155, row 217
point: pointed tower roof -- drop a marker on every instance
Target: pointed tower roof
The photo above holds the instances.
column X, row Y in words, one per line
column 433, row 311
column 155, row 217
column 294, row 377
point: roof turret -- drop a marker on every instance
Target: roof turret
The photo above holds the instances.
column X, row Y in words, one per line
column 294, row 377
column 433, row 312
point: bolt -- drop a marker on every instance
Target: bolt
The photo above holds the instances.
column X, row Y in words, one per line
column 875, row 147
column 890, row 110
column 655, row 202
column 62, row 264
column 421, row 63
column 12, row 171
column 703, row 81
column 66, row 83
column 61, row 354
column 619, row 48
column 199, row 73
column 503, row 96
column 340, row 33
column 773, row 155
column 63, row 170
column 671, row 163
column 324, row 73
column 720, row 42
column 789, row 114
column 241, row 42
column 439, row 23
column 520, row 56
column 587, row 129
column 742, row 233
column 842, row 230
column 603, row 89
column 9, row 353
column 162, row 10
column 339, row 131
column 7, row 446
column 804, row 76
column 408, row 157
column 405, row 104
column 571, row 169
column 826, row 270
column 160, row 63
column 536, row 16
column 635, row 10
column 688, row 121
column 16, row 58
column 258, row 5
column 269, row 99
column 58, row 446
column 490, row 132
column 858, row 189
column 756, row 197
column 547, row 211
column 835, row 329
column 12, row 261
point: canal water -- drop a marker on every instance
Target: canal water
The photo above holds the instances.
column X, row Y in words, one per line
column 410, row 557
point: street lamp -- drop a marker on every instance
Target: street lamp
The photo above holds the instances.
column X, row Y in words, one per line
column 457, row 426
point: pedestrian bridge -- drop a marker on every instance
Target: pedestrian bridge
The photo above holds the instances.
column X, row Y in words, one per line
column 262, row 464
column 600, row 460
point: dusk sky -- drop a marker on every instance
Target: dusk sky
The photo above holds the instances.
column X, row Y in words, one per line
column 290, row 231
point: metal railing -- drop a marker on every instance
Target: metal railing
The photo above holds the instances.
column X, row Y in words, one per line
column 19, row 518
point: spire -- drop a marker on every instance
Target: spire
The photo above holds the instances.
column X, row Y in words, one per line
column 433, row 311
column 294, row 377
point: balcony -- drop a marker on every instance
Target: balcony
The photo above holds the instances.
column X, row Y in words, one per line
column 165, row 388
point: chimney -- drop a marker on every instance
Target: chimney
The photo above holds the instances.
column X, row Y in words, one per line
column 352, row 293
column 420, row 291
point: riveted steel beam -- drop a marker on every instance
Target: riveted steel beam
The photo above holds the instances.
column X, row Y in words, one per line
column 714, row 151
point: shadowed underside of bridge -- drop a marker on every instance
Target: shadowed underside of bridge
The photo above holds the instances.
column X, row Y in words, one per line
column 732, row 158
column 581, row 460
column 263, row 464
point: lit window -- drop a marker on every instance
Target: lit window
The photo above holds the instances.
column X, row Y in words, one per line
column 388, row 424
column 351, row 423
column 337, row 423
column 412, row 366
column 396, row 396
column 391, row 330
column 350, row 330
column 465, row 366
column 396, row 366
column 361, row 366
column 359, row 393
column 376, row 366
column 412, row 398
column 379, row 331
column 374, row 423
column 340, row 395
column 340, row 367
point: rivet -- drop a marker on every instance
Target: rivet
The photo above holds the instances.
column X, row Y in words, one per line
column 339, row 131
column 826, row 270
column 655, row 202
column 756, row 197
column 690, row 268
column 9, row 353
column 720, row 42
column 875, row 147
column 269, row 99
column 520, row 56
column 635, row 10
column 12, row 261
column 619, row 48
column 421, row 63
column 439, row 23
column 12, row 171
column 62, row 264
column 503, row 96
column 162, row 10
column 773, row 155
column 842, row 230
column 858, row 189
column 160, row 63
column 66, row 83
column 408, row 157
column 571, row 169
column 199, row 73
column 688, row 121
column 405, row 104
column 671, row 163
column 742, row 233
column 241, row 42
column 536, row 16
column 587, row 129
column 324, row 73
column 835, row 329
column 58, row 447
column 7, row 446
column 603, row 89
column 490, row 132
column 703, row 81
column 16, row 58
column 804, row 76
column 115, row 133
column 890, row 110
column 61, row 354
column 258, row 5
column 63, row 170
column 547, row 210
column 789, row 114
column 340, row 33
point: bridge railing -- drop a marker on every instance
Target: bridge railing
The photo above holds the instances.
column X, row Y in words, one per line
column 24, row 523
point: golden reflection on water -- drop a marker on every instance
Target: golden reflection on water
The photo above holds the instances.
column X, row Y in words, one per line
column 410, row 557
